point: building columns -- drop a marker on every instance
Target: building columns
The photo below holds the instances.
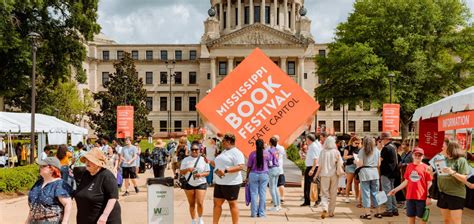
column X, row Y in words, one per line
column 293, row 15
column 221, row 16
column 213, row 72
column 251, row 12
column 262, row 12
column 229, row 13
column 285, row 13
column 301, row 71
column 230, row 62
column 239, row 12
column 275, row 13
column 283, row 64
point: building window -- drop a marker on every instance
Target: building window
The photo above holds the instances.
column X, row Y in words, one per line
column 192, row 103
column 336, row 106
column 164, row 55
column 149, row 55
column 192, row 78
column 289, row 19
column 163, row 78
column 246, row 15
column 149, row 103
column 135, row 55
column 119, row 55
column 380, row 126
column 337, row 126
column 222, row 68
column 352, row 126
column 208, row 76
column 225, row 19
column 352, row 106
column 178, row 79
column 366, row 106
column 322, row 105
column 366, row 126
column 291, row 68
column 322, row 126
column 149, row 78
column 178, row 55
column 105, row 78
column 236, row 16
column 163, row 103
column 278, row 16
column 105, row 55
column 256, row 14
column 192, row 55
column 305, row 75
column 163, row 126
column 267, row 14
column 177, row 126
column 177, row 103
column 322, row 53
column 237, row 63
column 276, row 63
column 192, row 124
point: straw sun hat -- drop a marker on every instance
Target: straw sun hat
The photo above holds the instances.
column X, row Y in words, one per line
column 160, row 143
column 97, row 157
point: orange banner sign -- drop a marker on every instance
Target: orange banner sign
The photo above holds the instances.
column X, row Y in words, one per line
column 258, row 100
column 456, row 121
column 391, row 119
column 124, row 121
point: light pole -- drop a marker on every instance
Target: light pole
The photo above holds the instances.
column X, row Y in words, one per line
column 34, row 37
column 198, row 91
column 170, row 66
column 391, row 76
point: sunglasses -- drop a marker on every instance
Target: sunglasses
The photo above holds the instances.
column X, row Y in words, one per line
column 194, row 149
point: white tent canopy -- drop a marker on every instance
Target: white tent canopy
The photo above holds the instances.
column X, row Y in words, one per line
column 459, row 101
column 21, row 123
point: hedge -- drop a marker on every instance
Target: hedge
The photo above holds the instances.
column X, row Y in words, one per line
column 19, row 178
column 293, row 155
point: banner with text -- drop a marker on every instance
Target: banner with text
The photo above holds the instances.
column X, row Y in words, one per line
column 258, row 100
column 456, row 121
column 431, row 140
column 124, row 121
column 391, row 119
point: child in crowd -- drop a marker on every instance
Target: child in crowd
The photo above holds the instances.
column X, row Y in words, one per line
column 418, row 181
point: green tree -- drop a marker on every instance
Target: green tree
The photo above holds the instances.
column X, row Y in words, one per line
column 64, row 26
column 123, row 88
column 427, row 44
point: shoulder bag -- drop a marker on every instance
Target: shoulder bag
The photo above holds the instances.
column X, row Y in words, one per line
column 183, row 180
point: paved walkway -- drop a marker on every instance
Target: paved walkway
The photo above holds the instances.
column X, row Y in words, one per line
column 134, row 210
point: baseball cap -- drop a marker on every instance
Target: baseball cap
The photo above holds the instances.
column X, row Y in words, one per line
column 418, row 150
column 52, row 161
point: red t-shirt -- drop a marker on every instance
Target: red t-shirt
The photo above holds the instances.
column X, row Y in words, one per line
column 417, row 177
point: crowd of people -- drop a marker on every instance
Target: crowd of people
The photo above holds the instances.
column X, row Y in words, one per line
column 378, row 171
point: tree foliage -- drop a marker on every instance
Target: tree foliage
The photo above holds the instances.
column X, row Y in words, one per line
column 427, row 44
column 123, row 88
column 64, row 26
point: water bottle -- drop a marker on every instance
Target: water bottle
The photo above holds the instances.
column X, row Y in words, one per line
column 426, row 214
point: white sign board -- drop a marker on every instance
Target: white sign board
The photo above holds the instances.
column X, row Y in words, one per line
column 160, row 200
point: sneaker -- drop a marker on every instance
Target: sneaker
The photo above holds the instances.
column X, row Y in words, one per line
column 200, row 221
column 136, row 190
column 278, row 208
column 387, row 214
column 273, row 209
column 324, row 214
column 346, row 200
column 282, row 201
column 193, row 222
column 125, row 194
column 395, row 213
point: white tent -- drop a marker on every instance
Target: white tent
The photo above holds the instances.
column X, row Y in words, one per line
column 21, row 123
column 459, row 101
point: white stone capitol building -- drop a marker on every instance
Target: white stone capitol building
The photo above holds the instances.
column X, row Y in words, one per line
column 233, row 30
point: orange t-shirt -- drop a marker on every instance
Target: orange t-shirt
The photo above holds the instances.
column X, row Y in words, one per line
column 65, row 160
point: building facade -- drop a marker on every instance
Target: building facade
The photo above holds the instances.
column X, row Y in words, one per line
column 233, row 29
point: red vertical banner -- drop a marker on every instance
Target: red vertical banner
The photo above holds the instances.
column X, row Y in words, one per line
column 124, row 121
column 431, row 140
column 391, row 119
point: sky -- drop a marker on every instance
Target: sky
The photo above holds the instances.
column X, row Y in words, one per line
column 181, row 21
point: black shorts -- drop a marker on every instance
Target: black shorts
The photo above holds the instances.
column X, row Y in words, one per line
column 446, row 201
column 188, row 186
column 416, row 208
column 129, row 172
column 227, row 192
column 281, row 180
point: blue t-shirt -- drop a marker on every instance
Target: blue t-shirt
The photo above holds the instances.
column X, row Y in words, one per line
column 44, row 202
column 128, row 152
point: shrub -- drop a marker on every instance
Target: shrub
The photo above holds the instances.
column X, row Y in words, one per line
column 293, row 155
column 19, row 178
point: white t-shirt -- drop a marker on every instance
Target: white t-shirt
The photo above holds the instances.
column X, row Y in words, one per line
column 211, row 152
column 43, row 156
column 201, row 167
column 281, row 155
column 314, row 150
column 229, row 158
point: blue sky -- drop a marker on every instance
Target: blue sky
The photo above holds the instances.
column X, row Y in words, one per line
column 181, row 21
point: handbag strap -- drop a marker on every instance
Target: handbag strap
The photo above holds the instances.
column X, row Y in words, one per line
column 195, row 164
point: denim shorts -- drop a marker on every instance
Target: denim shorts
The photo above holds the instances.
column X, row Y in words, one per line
column 350, row 168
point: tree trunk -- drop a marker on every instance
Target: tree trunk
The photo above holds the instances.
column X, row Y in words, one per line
column 2, row 103
column 405, row 124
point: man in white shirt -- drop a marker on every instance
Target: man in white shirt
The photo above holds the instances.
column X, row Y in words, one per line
column 281, row 179
column 311, row 161
column 228, row 166
column 45, row 152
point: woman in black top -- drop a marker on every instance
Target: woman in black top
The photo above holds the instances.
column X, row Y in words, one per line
column 349, row 151
column 96, row 197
